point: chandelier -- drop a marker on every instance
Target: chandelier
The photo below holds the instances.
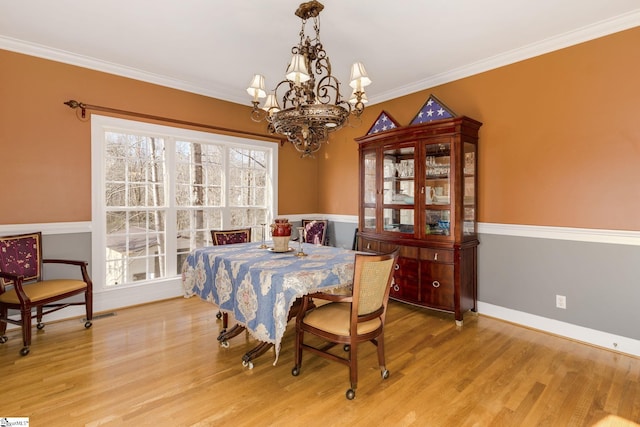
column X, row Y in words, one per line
column 312, row 105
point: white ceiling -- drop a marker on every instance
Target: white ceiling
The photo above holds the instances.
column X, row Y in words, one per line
column 213, row 47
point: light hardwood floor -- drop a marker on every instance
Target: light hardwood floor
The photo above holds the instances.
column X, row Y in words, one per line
column 160, row 365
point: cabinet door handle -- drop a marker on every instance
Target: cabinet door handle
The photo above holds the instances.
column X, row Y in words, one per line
column 435, row 284
column 435, row 257
column 396, row 267
column 396, row 288
column 422, row 190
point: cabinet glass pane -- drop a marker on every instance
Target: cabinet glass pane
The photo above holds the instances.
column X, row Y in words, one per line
column 438, row 222
column 398, row 175
column 398, row 220
column 469, row 199
column 438, row 168
column 370, row 218
column 370, row 177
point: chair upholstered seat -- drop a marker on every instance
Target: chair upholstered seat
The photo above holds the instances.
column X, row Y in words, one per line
column 335, row 318
column 44, row 290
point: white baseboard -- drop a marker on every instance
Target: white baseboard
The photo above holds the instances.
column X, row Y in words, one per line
column 567, row 330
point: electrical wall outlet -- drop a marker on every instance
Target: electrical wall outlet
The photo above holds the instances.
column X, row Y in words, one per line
column 561, row 301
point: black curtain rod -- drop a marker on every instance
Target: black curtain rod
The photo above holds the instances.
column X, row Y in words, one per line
column 84, row 107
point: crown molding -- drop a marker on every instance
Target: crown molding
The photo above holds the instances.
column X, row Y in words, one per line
column 600, row 29
column 581, row 35
column 65, row 57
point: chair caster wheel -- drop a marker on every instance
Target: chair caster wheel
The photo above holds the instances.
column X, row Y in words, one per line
column 24, row 351
column 40, row 325
column 224, row 344
column 87, row 324
column 248, row 364
column 295, row 371
column 4, row 339
column 385, row 374
column 219, row 315
column 351, row 394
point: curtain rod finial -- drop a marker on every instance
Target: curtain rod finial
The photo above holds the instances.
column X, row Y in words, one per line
column 72, row 103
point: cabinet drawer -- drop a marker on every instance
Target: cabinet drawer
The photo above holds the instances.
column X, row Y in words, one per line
column 405, row 280
column 436, row 255
column 366, row 245
column 437, row 285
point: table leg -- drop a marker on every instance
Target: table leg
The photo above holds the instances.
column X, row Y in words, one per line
column 260, row 349
column 225, row 335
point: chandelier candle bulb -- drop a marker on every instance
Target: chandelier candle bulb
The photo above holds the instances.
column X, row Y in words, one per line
column 271, row 104
column 359, row 77
column 256, row 88
column 297, row 71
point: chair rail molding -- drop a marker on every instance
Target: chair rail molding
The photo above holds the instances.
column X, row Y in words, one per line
column 620, row 237
column 47, row 228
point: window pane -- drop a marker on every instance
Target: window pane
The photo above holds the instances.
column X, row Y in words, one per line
column 247, row 179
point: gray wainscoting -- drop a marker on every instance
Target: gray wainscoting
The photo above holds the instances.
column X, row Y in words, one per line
column 601, row 281
column 76, row 246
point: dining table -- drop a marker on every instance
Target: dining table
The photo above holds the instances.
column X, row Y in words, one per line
column 258, row 286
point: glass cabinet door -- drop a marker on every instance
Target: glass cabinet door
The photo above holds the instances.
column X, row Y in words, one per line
column 437, row 189
column 469, row 200
column 398, row 189
column 369, row 190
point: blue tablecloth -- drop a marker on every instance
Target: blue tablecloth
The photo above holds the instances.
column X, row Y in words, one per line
column 259, row 286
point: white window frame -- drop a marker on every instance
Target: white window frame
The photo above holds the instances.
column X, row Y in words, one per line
column 102, row 124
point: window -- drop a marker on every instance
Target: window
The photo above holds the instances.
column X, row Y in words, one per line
column 158, row 191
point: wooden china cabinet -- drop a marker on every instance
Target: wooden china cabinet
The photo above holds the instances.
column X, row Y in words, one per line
column 418, row 191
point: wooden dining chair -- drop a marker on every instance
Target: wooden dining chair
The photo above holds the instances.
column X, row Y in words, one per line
column 23, row 288
column 349, row 319
column 229, row 237
column 315, row 231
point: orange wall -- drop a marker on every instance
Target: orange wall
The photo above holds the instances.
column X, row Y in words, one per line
column 46, row 151
column 560, row 144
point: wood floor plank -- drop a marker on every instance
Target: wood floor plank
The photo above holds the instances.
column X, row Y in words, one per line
column 161, row 365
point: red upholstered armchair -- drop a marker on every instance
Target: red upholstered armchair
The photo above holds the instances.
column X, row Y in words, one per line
column 23, row 288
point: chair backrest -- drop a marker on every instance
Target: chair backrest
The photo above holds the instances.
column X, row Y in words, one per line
column 228, row 237
column 373, row 275
column 21, row 255
column 315, row 231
